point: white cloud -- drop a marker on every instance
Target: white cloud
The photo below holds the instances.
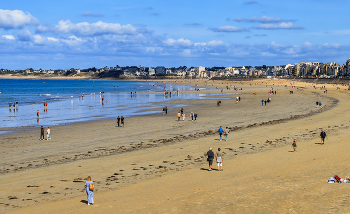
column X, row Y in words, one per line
column 53, row 39
column 179, row 42
column 332, row 45
column 25, row 35
column 263, row 19
column 229, row 29
column 87, row 29
column 267, row 54
column 9, row 37
column 215, row 43
column 281, row 25
column 186, row 52
column 154, row 49
column 10, row 19
column 39, row 40
column 200, row 44
column 73, row 41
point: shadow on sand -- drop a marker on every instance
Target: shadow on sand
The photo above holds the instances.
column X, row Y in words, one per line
column 84, row 201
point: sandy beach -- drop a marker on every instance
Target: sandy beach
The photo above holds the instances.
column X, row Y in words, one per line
column 156, row 164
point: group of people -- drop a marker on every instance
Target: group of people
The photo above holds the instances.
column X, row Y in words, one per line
column 265, row 101
column 42, row 133
column 120, row 121
column 165, row 110
column 15, row 106
column 181, row 113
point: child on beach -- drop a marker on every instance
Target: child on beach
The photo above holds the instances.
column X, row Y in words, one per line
column 294, row 146
column 178, row 116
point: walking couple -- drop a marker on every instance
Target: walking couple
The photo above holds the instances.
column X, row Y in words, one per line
column 221, row 132
column 218, row 157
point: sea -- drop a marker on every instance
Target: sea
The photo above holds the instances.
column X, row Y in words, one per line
column 72, row 101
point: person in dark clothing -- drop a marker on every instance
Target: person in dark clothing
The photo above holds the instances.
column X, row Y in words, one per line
column 323, row 136
column 195, row 116
column 118, row 121
column 210, row 154
column 42, row 131
column 122, row 121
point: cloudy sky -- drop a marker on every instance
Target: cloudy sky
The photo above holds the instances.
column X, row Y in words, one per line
column 81, row 34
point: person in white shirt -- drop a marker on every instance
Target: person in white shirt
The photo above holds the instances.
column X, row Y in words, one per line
column 48, row 133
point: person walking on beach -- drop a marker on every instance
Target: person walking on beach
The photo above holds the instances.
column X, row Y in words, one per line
column 220, row 132
column 210, row 158
column 118, row 121
column 262, row 102
column 89, row 187
column 219, row 159
column 195, row 116
column 183, row 116
column 37, row 113
column 178, row 116
column 323, row 136
column 226, row 132
column 42, row 131
column 122, row 121
column 316, row 104
column 166, row 110
column 294, row 146
column 192, row 115
column 48, row 131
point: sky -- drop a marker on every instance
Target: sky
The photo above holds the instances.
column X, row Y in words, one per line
column 82, row 34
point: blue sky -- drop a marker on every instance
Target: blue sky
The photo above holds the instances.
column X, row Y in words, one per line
column 82, row 34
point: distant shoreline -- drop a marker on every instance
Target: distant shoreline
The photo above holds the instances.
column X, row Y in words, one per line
column 336, row 81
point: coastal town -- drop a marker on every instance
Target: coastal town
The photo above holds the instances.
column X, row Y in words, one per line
column 302, row 69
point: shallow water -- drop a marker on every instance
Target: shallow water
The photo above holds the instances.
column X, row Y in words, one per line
column 69, row 106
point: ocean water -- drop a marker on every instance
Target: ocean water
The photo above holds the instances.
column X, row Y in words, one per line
column 71, row 101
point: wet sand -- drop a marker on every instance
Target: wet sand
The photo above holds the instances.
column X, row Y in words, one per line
column 156, row 164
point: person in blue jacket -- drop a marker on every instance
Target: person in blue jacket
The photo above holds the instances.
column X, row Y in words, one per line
column 220, row 132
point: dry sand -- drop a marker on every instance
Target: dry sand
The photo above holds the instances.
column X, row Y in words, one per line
column 156, row 164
